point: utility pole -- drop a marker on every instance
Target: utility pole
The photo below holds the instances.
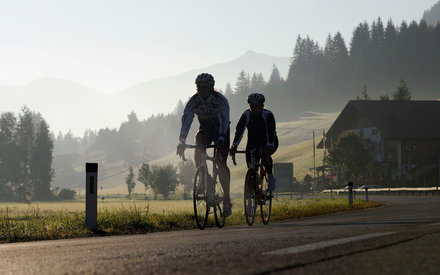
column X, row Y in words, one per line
column 314, row 162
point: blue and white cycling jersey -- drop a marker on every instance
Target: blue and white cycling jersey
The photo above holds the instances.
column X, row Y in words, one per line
column 212, row 112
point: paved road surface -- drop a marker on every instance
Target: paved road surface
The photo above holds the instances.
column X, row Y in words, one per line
column 400, row 238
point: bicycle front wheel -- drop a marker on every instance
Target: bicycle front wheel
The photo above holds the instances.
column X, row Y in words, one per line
column 250, row 205
column 219, row 197
column 200, row 198
column 265, row 201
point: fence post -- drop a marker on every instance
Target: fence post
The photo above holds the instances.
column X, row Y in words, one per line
column 91, row 195
column 350, row 194
column 366, row 194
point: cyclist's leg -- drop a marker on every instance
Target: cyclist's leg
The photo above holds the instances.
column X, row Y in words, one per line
column 267, row 162
column 224, row 173
column 201, row 138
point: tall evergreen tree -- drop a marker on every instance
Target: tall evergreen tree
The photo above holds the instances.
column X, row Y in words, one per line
column 242, row 86
column 41, row 163
column 402, row 92
column 228, row 91
column 26, row 142
column 8, row 124
column 257, row 84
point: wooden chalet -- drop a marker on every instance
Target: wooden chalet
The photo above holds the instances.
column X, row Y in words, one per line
column 406, row 135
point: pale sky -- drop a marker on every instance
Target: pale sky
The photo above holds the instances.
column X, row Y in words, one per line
column 112, row 45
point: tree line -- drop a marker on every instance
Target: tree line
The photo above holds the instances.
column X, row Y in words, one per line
column 379, row 58
column 26, row 147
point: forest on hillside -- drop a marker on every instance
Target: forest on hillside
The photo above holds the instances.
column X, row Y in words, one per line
column 321, row 78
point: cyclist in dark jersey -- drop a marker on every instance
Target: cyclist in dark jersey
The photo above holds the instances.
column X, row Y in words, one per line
column 212, row 110
column 261, row 127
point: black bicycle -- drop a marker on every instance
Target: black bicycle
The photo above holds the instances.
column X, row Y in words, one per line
column 256, row 191
column 207, row 192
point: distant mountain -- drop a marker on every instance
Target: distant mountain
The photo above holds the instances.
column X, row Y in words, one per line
column 162, row 95
column 432, row 16
column 69, row 105
column 64, row 104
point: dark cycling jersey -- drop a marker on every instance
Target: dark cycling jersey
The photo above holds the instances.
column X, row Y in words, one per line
column 261, row 129
column 212, row 112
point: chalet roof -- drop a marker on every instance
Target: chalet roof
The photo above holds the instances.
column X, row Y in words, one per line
column 395, row 119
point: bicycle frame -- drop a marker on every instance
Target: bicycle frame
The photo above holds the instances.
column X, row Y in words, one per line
column 257, row 166
column 203, row 163
column 212, row 197
column 260, row 196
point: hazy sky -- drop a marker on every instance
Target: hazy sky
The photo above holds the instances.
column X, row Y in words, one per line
column 111, row 45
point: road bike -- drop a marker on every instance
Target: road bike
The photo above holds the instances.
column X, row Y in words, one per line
column 256, row 191
column 207, row 191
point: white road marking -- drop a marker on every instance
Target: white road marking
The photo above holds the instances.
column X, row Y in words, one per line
column 324, row 244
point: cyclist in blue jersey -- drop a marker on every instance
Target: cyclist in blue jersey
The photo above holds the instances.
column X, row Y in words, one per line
column 261, row 127
column 212, row 110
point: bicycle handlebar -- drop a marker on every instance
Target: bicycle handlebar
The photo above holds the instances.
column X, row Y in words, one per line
column 198, row 146
column 190, row 146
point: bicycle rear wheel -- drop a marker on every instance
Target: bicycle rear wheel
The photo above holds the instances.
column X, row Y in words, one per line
column 266, row 201
column 218, row 205
column 250, row 205
column 200, row 198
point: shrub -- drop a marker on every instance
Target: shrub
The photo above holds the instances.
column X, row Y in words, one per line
column 66, row 194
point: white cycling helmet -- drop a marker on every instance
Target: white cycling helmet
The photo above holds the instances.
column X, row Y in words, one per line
column 256, row 98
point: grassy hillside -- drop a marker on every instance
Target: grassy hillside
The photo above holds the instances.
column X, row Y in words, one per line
column 296, row 146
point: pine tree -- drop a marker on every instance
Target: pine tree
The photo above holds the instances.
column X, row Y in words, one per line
column 9, row 156
column 275, row 77
column 228, row 91
column 26, row 142
column 8, row 123
column 242, row 86
column 41, row 163
column 257, row 84
column 402, row 92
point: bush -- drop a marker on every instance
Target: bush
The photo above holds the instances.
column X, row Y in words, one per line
column 66, row 194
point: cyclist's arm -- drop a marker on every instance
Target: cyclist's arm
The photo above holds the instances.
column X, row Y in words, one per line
column 270, row 129
column 223, row 117
column 187, row 119
column 239, row 130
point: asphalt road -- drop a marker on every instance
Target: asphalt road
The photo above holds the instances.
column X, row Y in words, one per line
column 402, row 237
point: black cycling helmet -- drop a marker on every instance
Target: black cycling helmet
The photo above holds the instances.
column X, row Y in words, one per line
column 205, row 79
column 256, row 98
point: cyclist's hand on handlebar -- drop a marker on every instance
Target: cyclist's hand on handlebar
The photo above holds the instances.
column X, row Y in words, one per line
column 181, row 150
column 232, row 152
column 221, row 144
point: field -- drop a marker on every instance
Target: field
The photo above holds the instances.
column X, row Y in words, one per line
column 48, row 208
column 45, row 221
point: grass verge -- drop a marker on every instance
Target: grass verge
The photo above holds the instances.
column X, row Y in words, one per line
column 34, row 224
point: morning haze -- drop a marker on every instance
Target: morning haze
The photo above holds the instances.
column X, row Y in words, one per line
column 305, row 57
